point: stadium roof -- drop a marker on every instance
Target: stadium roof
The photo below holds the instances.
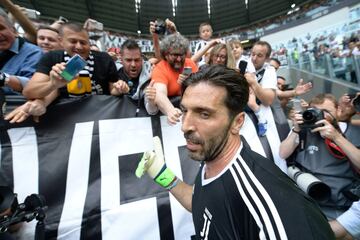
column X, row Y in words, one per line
column 129, row 16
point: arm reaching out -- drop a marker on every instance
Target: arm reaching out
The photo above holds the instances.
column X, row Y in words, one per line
column 154, row 164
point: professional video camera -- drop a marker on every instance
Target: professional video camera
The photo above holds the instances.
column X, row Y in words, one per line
column 160, row 27
column 311, row 116
column 11, row 212
column 311, row 185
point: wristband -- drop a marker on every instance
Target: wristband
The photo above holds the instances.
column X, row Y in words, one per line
column 293, row 129
column 165, row 178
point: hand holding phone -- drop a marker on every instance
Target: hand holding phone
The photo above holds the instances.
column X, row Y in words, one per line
column 73, row 67
column 187, row 71
column 242, row 66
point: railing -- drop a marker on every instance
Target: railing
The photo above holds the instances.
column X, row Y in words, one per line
column 346, row 69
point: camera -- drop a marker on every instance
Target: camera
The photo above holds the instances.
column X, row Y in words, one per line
column 11, row 212
column 311, row 116
column 160, row 27
column 310, row 184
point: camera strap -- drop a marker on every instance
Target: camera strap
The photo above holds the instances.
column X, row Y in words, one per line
column 302, row 139
column 334, row 149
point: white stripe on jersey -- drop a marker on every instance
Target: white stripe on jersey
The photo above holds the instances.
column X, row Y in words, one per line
column 248, row 204
column 258, row 204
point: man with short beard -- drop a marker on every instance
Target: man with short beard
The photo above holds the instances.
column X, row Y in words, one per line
column 238, row 194
column 134, row 71
column 167, row 74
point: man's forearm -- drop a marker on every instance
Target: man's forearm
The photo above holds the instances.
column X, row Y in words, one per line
column 164, row 104
column 183, row 193
column 288, row 146
column 349, row 149
column 265, row 95
column 38, row 87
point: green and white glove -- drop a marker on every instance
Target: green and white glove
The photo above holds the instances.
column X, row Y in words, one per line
column 154, row 164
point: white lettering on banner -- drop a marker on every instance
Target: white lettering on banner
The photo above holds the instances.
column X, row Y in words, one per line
column 25, row 167
column 117, row 137
column 76, row 182
column 172, row 139
column 136, row 220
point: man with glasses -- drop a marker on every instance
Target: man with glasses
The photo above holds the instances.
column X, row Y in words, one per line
column 168, row 74
column 323, row 151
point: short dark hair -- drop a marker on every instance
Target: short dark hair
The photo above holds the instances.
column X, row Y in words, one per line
column 130, row 44
column 72, row 26
column 235, row 84
column 47, row 27
column 276, row 60
column 204, row 24
column 320, row 99
column 281, row 77
column 268, row 46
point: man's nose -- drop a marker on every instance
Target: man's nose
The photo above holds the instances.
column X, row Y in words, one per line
column 187, row 123
column 78, row 45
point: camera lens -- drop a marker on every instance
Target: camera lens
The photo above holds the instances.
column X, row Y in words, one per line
column 308, row 116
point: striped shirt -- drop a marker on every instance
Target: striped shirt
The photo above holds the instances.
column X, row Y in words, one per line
column 252, row 199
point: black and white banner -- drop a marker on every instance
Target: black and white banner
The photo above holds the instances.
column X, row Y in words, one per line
column 82, row 158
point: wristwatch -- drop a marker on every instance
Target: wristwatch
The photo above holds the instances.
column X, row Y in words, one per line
column 4, row 79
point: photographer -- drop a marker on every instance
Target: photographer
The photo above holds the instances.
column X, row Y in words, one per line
column 323, row 151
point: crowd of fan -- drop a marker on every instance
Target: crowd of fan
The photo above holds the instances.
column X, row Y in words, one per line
column 329, row 149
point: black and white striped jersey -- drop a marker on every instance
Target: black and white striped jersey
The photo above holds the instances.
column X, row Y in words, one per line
column 252, row 199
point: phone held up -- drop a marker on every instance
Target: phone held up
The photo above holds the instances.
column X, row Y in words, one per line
column 242, row 66
column 187, row 71
column 73, row 67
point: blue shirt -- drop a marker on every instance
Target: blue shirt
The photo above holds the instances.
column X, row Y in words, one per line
column 23, row 64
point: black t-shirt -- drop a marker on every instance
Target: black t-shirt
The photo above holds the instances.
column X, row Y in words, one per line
column 133, row 83
column 253, row 198
column 104, row 68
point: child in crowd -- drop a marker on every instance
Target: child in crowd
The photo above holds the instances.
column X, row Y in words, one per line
column 205, row 33
column 237, row 51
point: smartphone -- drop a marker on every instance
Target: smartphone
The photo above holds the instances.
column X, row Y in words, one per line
column 242, row 66
column 31, row 13
column 73, row 67
column 187, row 71
column 297, row 105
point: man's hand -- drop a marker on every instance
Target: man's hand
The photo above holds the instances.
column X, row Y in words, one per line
column 302, row 88
column 55, row 78
column 33, row 108
column 171, row 27
column 250, row 78
column 181, row 78
column 174, row 116
column 121, row 87
column 326, row 130
column 297, row 120
column 252, row 101
column 153, row 163
column 150, row 93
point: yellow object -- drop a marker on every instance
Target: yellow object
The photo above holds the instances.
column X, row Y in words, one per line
column 80, row 85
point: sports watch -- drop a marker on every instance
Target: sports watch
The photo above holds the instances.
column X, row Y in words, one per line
column 4, row 79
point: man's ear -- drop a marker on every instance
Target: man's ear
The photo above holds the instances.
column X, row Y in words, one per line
column 237, row 123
